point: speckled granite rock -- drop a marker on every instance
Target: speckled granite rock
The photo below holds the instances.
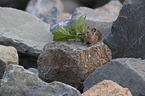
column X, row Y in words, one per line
column 72, row 61
column 8, row 55
column 107, row 88
column 17, row 81
column 128, row 31
column 127, row 72
column 25, row 32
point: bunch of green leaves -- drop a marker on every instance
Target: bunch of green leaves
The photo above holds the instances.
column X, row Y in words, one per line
column 63, row 33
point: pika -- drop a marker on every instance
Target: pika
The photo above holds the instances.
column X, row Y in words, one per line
column 91, row 36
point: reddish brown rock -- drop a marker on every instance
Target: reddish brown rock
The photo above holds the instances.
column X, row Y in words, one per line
column 71, row 62
column 107, row 88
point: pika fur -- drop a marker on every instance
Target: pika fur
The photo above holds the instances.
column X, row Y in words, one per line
column 91, row 36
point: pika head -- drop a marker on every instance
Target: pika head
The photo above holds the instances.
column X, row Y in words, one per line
column 91, row 36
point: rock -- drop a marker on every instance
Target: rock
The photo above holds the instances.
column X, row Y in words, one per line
column 101, row 18
column 25, row 32
column 107, row 88
column 127, row 36
column 19, row 4
column 50, row 11
column 17, row 81
column 127, row 72
column 8, row 55
column 72, row 61
column 35, row 71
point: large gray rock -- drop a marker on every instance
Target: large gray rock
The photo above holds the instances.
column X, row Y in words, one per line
column 101, row 18
column 127, row 72
column 25, row 32
column 71, row 61
column 17, row 81
column 8, row 55
column 128, row 31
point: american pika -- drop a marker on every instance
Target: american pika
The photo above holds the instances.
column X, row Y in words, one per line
column 91, row 36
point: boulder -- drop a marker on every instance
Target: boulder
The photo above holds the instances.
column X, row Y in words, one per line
column 50, row 11
column 8, row 55
column 25, row 32
column 127, row 72
column 107, row 88
column 72, row 61
column 127, row 34
column 17, row 81
column 101, row 18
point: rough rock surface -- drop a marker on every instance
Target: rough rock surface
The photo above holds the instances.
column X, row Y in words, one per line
column 107, row 88
column 50, row 11
column 8, row 55
column 128, row 31
column 127, row 72
column 25, row 32
column 101, row 18
column 72, row 61
column 17, row 81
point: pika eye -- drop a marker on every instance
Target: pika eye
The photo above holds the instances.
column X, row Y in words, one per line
column 87, row 32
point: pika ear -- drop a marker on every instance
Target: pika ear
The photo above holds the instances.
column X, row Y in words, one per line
column 94, row 29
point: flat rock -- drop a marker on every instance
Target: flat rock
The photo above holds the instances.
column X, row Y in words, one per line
column 107, row 88
column 127, row 72
column 72, row 61
column 25, row 32
column 127, row 35
column 17, row 81
column 100, row 18
column 8, row 55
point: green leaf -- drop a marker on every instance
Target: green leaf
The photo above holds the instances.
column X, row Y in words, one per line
column 67, row 32
column 63, row 33
column 80, row 25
